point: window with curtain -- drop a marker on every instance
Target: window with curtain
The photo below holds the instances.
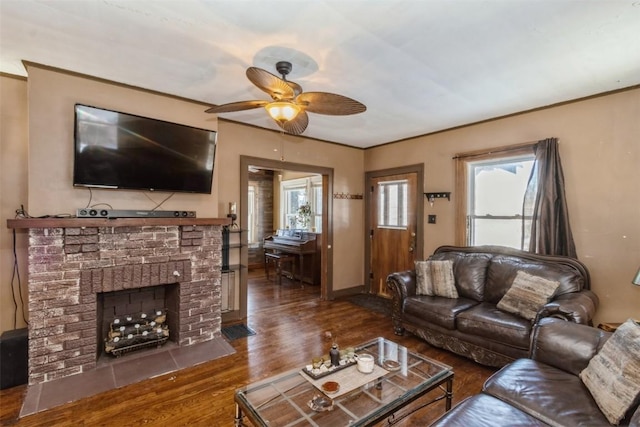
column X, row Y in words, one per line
column 492, row 186
column 496, row 193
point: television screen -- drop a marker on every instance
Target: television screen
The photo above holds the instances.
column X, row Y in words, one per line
column 118, row 150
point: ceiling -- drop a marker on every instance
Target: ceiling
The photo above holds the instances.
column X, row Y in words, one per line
column 418, row 66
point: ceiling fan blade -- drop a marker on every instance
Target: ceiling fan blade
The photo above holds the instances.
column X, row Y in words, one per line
column 297, row 89
column 330, row 103
column 236, row 106
column 271, row 84
column 297, row 125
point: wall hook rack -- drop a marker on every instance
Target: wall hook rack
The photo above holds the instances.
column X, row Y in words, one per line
column 439, row 195
column 348, row 196
column 431, row 197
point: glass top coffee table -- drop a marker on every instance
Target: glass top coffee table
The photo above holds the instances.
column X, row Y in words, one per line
column 295, row 398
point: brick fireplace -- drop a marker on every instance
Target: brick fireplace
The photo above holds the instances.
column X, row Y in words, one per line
column 73, row 261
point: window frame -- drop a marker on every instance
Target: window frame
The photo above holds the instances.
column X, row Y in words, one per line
column 462, row 180
column 401, row 207
column 252, row 218
column 310, row 186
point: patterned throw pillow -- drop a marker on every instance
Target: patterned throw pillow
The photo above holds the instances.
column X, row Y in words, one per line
column 613, row 375
column 435, row 278
column 423, row 278
column 527, row 295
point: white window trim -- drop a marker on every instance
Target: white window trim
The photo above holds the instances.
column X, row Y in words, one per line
column 308, row 184
column 462, row 191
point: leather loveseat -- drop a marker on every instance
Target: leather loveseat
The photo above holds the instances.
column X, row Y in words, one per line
column 472, row 325
column 542, row 390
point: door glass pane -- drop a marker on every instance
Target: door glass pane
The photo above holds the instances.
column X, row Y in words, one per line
column 393, row 204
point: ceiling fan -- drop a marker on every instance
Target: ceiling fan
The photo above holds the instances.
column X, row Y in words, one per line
column 289, row 103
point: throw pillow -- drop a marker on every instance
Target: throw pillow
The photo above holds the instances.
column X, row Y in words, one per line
column 423, row 278
column 613, row 375
column 444, row 284
column 435, row 278
column 527, row 295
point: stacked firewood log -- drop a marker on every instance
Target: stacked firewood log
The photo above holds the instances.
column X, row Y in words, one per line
column 128, row 331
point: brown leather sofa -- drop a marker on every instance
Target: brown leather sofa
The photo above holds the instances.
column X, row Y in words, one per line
column 544, row 389
column 472, row 325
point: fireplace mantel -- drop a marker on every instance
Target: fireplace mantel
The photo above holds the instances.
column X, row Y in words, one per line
column 104, row 222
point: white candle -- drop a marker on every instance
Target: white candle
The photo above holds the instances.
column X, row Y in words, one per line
column 232, row 207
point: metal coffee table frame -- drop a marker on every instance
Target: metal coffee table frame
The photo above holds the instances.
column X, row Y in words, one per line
column 282, row 400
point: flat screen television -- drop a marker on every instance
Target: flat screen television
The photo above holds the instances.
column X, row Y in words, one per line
column 119, row 150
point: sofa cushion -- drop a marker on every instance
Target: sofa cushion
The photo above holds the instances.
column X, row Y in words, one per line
column 484, row 410
column 435, row 278
column 527, row 295
column 469, row 270
column 613, row 374
column 503, row 269
column 439, row 310
column 547, row 393
column 486, row 320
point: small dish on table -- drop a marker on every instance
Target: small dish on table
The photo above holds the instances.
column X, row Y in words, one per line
column 330, row 387
column 390, row 365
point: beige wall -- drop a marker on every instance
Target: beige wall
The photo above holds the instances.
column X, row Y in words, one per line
column 13, row 193
column 599, row 144
column 600, row 150
column 51, row 95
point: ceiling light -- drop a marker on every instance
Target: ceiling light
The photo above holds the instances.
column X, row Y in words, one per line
column 282, row 111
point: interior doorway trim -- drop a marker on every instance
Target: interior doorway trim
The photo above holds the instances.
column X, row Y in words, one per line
column 326, row 267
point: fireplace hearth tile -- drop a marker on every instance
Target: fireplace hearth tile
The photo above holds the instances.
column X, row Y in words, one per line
column 115, row 373
column 140, row 369
column 31, row 400
column 199, row 353
column 74, row 387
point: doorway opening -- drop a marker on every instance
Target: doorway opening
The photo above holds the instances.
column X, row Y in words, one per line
column 319, row 181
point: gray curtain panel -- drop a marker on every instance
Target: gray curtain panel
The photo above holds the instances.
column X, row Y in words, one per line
column 545, row 215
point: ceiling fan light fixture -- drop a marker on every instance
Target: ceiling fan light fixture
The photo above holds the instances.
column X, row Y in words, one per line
column 282, row 111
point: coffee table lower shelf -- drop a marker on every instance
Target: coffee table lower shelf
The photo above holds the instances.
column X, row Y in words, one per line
column 283, row 399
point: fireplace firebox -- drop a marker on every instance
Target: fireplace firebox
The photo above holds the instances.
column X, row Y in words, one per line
column 136, row 319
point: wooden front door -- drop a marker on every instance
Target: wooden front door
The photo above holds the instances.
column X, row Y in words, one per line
column 393, row 227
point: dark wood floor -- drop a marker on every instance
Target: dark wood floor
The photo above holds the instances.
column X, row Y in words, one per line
column 290, row 323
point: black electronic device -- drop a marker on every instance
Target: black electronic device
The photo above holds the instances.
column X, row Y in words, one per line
column 125, row 151
column 14, row 358
column 112, row 213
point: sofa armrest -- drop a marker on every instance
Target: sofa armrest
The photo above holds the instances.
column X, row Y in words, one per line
column 576, row 307
column 565, row 345
column 402, row 285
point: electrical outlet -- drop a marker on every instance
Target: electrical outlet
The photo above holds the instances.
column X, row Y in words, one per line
column 432, row 219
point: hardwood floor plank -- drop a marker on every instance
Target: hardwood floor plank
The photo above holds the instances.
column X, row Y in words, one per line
column 290, row 324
